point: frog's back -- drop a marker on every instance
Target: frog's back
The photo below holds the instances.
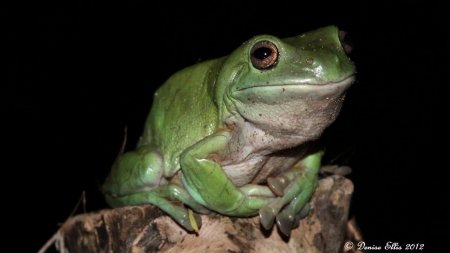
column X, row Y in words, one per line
column 183, row 110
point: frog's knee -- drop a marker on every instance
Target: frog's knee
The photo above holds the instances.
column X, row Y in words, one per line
column 150, row 166
column 135, row 171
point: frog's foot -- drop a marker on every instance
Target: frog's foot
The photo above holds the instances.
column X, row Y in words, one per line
column 288, row 208
column 163, row 197
column 295, row 189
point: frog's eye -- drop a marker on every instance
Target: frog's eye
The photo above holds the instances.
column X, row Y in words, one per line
column 264, row 55
column 346, row 41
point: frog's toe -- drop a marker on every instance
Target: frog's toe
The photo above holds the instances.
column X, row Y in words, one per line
column 296, row 222
column 266, row 216
column 186, row 224
column 278, row 184
column 288, row 220
column 304, row 212
column 284, row 223
column 190, row 224
column 268, row 213
column 343, row 170
column 335, row 170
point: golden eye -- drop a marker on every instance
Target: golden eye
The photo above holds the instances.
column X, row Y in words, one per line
column 264, row 55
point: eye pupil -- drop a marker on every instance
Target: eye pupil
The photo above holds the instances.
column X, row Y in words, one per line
column 262, row 53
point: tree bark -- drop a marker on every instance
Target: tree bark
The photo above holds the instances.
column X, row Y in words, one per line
column 147, row 229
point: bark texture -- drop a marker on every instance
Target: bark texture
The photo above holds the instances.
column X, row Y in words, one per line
column 147, row 229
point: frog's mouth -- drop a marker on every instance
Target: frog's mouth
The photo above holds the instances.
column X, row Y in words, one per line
column 272, row 94
column 303, row 86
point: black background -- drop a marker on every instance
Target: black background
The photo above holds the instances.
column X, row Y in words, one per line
column 78, row 73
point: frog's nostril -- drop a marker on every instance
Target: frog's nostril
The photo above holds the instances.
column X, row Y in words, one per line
column 346, row 41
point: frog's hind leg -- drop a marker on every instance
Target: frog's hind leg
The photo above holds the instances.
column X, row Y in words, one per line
column 295, row 188
column 167, row 198
column 137, row 177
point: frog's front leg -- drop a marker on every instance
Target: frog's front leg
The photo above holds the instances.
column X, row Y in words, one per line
column 295, row 187
column 208, row 184
column 137, row 178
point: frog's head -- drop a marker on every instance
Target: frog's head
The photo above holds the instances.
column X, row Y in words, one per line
column 291, row 86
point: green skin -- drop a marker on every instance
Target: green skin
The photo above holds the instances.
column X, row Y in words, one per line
column 233, row 134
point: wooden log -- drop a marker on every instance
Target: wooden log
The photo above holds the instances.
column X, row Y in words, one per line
column 147, row 229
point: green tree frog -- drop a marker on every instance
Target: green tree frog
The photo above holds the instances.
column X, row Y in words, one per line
column 233, row 135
